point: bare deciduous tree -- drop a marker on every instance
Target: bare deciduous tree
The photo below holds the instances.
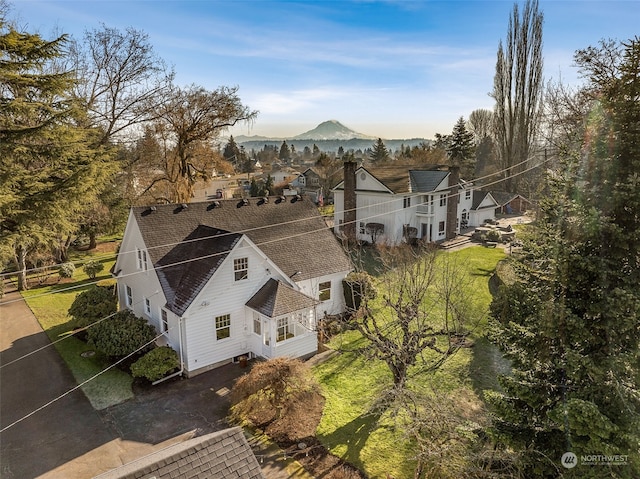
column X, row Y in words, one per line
column 120, row 79
column 419, row 318
column 517, row 91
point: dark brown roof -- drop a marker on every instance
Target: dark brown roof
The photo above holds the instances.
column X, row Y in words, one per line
column 290, row 232
column 393, row 177
column 220, row 455
column 276, row 298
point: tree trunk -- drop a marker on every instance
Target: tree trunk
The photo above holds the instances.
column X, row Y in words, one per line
column 20, row 258
column 93, row 242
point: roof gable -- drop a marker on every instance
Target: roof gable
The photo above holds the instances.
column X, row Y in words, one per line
column 189, row 265
column 424, row 181
column 289, row 231
column 276, row 299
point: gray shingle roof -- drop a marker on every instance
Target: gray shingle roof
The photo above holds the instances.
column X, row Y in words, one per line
column 290, row 232
column 276, row 299
column 220, row 455
column 424, row 181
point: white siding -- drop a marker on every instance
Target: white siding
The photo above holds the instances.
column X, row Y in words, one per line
column 143, row 284
column 335, row 305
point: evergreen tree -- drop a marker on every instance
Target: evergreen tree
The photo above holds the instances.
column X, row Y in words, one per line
column 49, row 166
column 231, row 151
column 461, row 149
column 570, row 324
column 379, row 154
column 285, row 152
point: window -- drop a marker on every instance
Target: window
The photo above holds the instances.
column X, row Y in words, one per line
column 129, row 293
column 223, row 327
column 285, row 330
column 441, row 228
column 147, row 307
column 241, row 268
column 443, row 200
column 164, row 323
column 467, row 194
column 257, row 323
column 406, row 203
column 141, row 259
column 361, row 228
column 325, row 291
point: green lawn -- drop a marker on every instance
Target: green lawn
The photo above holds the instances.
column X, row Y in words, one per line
column 50, row 305
column 350, row 383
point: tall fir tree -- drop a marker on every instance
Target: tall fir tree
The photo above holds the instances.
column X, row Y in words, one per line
column 49, row 166
column 380, row 153
column 461, row 149
column 570, row 324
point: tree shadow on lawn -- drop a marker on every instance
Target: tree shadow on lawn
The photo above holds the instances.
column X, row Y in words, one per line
column 353, row 435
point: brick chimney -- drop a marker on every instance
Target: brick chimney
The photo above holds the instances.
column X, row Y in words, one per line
column 350, row 199
column 452, row 201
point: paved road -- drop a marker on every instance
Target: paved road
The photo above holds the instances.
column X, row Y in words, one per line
column 65, row 430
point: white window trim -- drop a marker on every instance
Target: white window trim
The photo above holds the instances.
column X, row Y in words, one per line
column 236, row 262
column 164, row 320
column 128, row 293
column 228, row 326
column 322, row 290
column 147, row 306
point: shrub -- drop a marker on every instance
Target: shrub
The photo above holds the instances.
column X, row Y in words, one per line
column 122, row 334
column 281, row 394
column 92, row 268
column 93, row 304
column 66, row 270
column 156, row 364
column 493, row 235
column 356, row 286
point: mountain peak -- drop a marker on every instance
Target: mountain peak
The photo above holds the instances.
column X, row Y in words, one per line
column 330, row 130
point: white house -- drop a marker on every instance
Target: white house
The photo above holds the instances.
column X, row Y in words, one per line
column 230, row 278
column 392, row 204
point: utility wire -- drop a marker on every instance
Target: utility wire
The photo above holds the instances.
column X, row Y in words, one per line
column 299, row 220
column 155, row 338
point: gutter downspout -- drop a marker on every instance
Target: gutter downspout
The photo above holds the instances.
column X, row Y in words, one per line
column 181, row 357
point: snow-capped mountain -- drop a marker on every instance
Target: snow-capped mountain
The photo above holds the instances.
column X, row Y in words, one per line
column 331, row 130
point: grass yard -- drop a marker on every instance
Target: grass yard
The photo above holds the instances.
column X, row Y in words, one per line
column 50, row 305
column 350, row 383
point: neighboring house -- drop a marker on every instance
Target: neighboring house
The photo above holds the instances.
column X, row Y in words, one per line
column 231, row 278
column 393, row 204
column 510, row 203
column 309, row 183
column 483, row 208
column 221, row 455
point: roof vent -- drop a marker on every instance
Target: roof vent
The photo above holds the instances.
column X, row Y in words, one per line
column 184, row 206
column 245, row 202
column 153, row 208
column 263, row 201
column 217, row 204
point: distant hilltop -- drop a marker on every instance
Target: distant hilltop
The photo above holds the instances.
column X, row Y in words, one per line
column 328, row 135
column 327, row 130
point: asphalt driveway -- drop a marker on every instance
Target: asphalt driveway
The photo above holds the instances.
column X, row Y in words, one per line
column 68, row 439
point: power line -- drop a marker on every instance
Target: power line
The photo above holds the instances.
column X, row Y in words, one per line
column 163, row 333
column 299, row 220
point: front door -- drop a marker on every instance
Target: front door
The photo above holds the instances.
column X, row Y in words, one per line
column 266, row 338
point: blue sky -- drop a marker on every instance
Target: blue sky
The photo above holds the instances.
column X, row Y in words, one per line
column 392, row 69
